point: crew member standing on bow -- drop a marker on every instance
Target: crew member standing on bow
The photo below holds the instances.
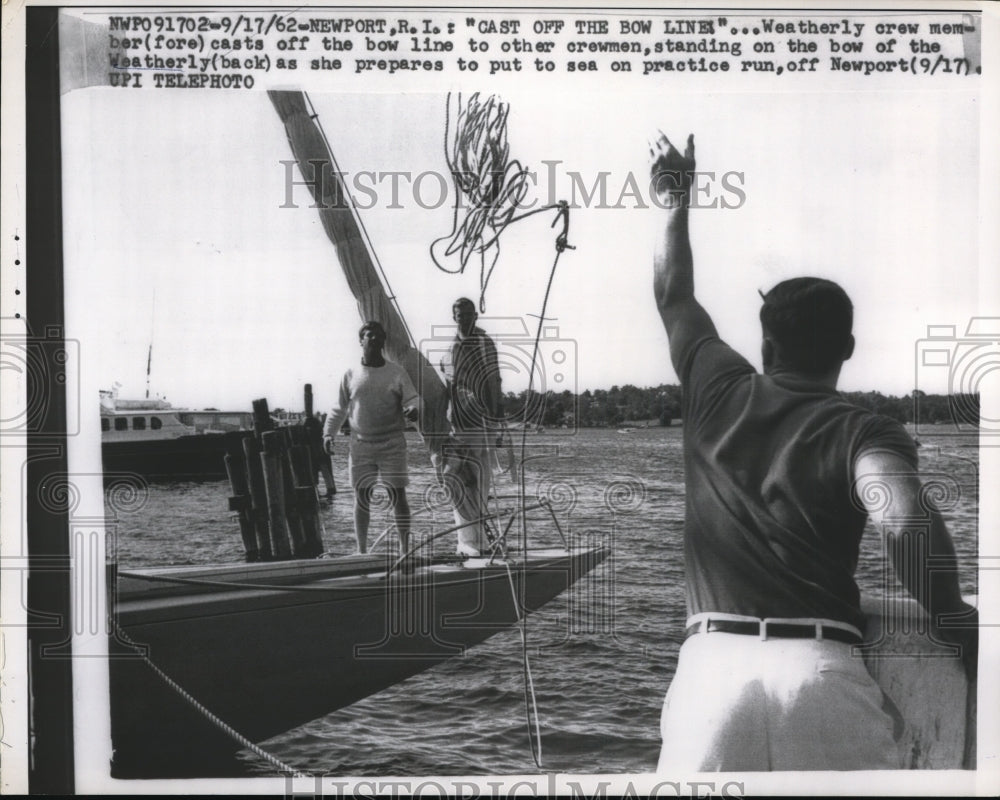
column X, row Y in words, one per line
column 377, row 397
column 475, row 413
column 780, row 473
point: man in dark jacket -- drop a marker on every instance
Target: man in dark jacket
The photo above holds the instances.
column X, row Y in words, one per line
column 472, row 374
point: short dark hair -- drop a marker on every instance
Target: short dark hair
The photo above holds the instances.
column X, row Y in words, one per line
column 464, row 302
column 809, row 320
column 371, row 325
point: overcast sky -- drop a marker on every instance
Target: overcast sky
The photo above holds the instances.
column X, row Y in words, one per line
column 176, row 235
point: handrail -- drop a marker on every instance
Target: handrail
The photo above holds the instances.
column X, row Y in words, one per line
column 513, row 514
column 392, row 526
column 498, row 547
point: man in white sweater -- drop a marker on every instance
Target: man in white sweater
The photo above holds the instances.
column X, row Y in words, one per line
column 377, row 398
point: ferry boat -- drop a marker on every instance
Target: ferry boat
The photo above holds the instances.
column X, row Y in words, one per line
column 153, row 440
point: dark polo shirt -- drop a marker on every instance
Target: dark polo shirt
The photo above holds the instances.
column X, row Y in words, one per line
column 772, row 527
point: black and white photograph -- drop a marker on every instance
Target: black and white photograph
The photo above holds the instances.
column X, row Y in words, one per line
column 495, row 401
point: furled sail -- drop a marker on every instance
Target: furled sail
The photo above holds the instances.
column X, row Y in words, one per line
column 341, row 225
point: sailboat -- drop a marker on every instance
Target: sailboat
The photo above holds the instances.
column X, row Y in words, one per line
column 209, row 660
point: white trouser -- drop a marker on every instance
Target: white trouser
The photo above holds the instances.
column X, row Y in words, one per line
column 466, row 469
column 479, row 459
column 741, row 703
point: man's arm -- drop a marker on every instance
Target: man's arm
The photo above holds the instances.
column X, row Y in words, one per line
column 493, row 396
column 684, row 318
column 412, row 403
column 337, row 416
column 915, row 536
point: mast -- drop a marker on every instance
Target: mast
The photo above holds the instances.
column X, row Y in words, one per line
column 343, row 228
column 149, row 364
column 152, row 333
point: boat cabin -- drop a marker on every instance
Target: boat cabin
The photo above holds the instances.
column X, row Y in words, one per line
column 141, row 420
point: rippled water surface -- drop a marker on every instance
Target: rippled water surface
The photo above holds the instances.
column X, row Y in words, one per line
column 601, row 655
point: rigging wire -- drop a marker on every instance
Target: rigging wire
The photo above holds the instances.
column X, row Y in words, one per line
column 561, row 245
column 482, row 171
column 478, row 156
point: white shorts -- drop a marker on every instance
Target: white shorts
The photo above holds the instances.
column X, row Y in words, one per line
column 740, row 703
column 385, row 459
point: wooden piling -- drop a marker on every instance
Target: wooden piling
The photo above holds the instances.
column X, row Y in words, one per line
column 293, row 517
column 258, row 497
column 273, row 469
column 305, row 496
column 240, row 501
column 308, row 399
column 261, row 418
column 304, row 472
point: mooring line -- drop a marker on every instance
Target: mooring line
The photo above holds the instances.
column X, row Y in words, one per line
column 201, row 708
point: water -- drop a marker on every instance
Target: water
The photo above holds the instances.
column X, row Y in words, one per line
column 601, row 655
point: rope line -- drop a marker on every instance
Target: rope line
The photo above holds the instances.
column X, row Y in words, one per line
column 478, row 156
column 561, row 245
column 530, row 700
column 201, row 708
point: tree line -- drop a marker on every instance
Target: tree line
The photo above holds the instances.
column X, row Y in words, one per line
column 661, row 405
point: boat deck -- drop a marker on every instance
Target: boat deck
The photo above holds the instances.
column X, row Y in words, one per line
column 267, row 647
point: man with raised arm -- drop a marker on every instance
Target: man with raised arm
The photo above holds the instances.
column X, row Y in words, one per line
column 377, row 398
column 779, row 473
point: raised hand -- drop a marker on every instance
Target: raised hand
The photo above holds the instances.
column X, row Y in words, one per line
column 671, row 173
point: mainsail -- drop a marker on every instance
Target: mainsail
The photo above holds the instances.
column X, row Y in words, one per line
column 342, row 227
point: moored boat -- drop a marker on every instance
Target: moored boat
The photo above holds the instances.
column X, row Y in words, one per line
column 155, row 441
column 261, row 648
